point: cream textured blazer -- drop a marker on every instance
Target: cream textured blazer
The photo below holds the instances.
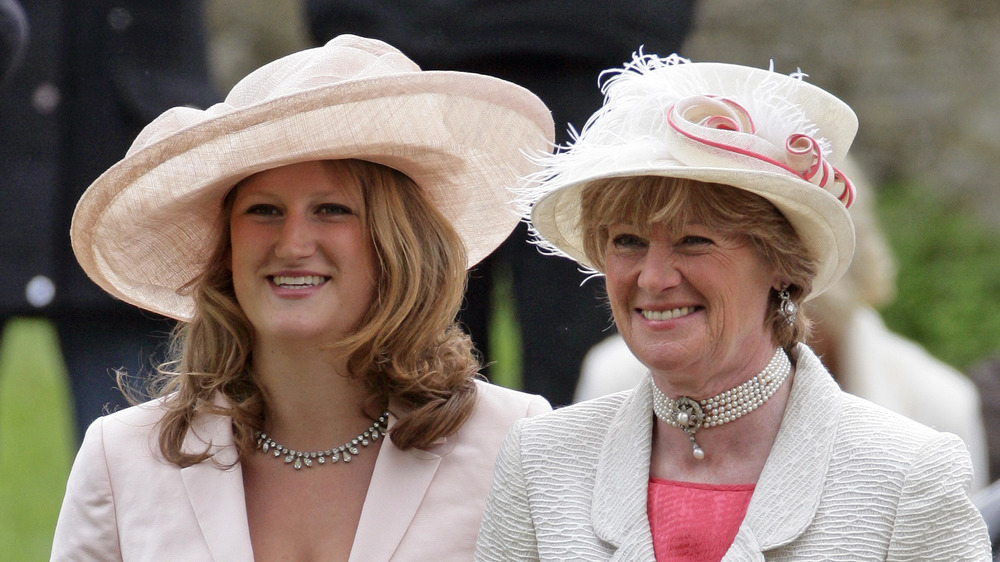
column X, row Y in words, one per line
column 124, row 502
column 845, row 480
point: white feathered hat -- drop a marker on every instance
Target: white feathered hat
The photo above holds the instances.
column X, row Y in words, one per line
column 767, row 133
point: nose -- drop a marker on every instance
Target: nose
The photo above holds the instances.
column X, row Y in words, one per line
column 296, row 238
column 658, row 270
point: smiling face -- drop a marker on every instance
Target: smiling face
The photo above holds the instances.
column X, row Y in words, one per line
column 302, row 260
column 689, row 300
column 692, row 272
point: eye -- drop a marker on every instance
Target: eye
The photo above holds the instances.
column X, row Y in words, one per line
column 628, row 242
column 695, row 241
column 263, row 210
column 333, row 209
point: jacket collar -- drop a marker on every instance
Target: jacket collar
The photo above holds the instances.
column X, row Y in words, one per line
column 618, row 512
column 216, row 493
column 399, row 482
column 796, row 468
column 788, row 492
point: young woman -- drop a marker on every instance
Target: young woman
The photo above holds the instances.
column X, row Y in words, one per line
column 312, row 234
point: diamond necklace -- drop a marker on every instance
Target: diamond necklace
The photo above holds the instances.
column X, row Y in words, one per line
column 690, row 415
column 345, row 452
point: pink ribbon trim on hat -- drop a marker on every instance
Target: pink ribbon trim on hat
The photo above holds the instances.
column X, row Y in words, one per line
column 724, row 124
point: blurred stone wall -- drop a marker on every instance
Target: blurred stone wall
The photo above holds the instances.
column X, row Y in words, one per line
column 922, row 75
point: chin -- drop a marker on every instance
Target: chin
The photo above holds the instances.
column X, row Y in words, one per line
column 295, row 331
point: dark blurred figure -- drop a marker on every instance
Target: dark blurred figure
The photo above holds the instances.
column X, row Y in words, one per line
column 986, row 375
column 13, row 36
column 988, row 503
column 556, row 49
column 94, row 73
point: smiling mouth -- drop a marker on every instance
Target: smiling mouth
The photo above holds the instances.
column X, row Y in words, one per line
column 298, row 282
column 666, row 314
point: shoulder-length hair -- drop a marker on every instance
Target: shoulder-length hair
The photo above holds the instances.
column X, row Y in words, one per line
column 408, row 350
column 645, row 200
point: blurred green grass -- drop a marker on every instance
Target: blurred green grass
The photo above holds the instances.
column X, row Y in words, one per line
column 36, row 438
column 948, row 285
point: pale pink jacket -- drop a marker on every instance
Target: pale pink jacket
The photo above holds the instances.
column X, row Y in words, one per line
column 124, row 502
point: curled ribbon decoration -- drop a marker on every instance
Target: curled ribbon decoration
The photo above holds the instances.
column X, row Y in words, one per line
column 722, row 124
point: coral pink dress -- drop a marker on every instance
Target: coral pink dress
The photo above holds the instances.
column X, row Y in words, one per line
column 695, row 522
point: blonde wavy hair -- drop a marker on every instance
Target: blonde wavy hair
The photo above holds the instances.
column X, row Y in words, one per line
column 408, row 350
column 645, row 200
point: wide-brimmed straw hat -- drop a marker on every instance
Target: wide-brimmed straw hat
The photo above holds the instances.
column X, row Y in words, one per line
column 767, row 133
column 147, row 226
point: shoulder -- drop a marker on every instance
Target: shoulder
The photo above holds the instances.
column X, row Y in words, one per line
column 126, row 429
column 905, row 459
column 573, row 431
column 596, row 411
column 868, row 427
column 496, row 410
column 863, row 421
column 497, row 402
column 923, row 479
column 867, row 440
column 132, row 435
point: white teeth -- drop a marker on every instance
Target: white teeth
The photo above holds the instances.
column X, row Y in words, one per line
column 297, row 282
column 667, row 314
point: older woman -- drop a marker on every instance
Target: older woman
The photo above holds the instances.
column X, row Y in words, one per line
column 708, row 196
column 312, row 234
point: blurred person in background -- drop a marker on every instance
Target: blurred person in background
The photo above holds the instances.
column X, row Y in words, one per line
column 555, row 48
column 93, row 74
column 986, row 375
column 863, row 355
column 13, row 36
column 312, row 234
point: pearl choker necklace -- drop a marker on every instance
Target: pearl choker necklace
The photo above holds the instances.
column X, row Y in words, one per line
column 690, row 415
column 348, row 450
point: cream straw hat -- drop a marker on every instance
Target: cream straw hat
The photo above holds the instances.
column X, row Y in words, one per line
column 148, row 225
column 770, row 134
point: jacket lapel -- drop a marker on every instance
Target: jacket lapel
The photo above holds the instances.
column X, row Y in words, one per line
column 790, row 486
column 398, row 485
column 216, row 494
column 618, row 512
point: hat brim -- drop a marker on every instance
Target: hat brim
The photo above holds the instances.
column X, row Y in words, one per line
column 147, row 226
column 821, row 221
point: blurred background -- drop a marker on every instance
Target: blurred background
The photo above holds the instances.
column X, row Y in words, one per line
column 922, row 75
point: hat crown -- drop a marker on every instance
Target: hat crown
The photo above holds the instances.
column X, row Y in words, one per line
column 342, row 59
column 669, row 111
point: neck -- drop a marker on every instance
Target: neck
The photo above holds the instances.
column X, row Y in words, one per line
column 712, row 375
column 730, row 446
column 735, row 453
column 311, row 401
